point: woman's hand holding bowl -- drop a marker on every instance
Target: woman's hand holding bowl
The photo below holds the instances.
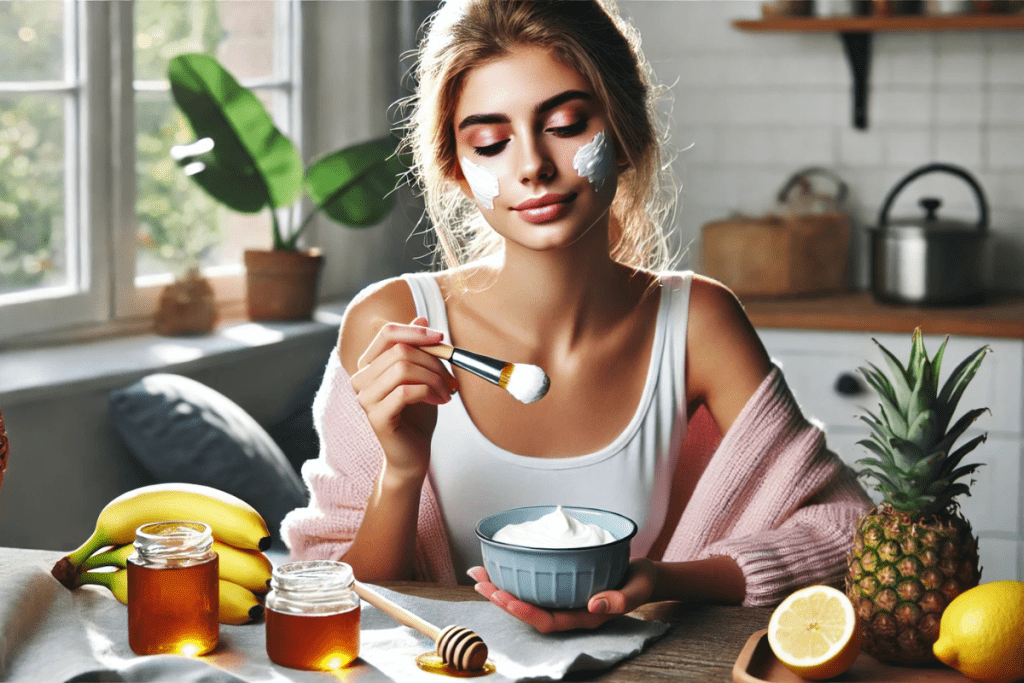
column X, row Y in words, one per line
column 600, row 608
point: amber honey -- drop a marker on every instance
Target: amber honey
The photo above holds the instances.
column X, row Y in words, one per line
column 314, row 642
column 431, row 662
column 173, row 591
column 312, row 616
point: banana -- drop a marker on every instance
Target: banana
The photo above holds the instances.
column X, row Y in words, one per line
column 232, row 520
column 248, row 568
column 115, row 557
column 238, row 605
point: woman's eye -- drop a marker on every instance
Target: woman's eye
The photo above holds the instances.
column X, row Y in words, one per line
column 491, row 150
column 570, row 130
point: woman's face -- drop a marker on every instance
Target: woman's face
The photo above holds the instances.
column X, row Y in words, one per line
column 532, row 145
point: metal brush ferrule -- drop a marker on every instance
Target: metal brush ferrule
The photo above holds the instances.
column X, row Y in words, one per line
column 480, row 365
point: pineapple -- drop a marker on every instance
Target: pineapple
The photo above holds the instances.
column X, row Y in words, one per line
column 915, row 552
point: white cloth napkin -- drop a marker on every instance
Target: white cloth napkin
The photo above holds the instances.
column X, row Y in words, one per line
column 48, row 633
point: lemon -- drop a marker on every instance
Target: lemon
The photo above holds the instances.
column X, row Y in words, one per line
column 981, row 633
column 814, row 632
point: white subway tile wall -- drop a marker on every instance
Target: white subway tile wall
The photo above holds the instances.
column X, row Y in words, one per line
column 759, row 106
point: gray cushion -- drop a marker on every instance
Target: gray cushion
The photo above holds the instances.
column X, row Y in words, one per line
column 183, row 431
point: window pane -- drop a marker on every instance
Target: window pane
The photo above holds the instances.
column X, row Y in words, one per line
column 33, row 241
column 179, row 224
column 31, row 40
column 239, row 33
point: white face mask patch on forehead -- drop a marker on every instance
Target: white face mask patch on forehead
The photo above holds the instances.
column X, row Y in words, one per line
column 595, row 160
column 482, row 182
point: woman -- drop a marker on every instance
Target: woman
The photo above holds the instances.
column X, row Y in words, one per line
column 535, row 143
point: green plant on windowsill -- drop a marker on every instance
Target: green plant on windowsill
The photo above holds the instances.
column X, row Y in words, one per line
column 242, row 160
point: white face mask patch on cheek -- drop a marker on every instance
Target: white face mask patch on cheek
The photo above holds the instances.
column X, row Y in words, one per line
column 482, row 182
column 595, row 160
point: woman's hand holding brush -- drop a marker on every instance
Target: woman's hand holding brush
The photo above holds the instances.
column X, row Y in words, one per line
column 399, row 386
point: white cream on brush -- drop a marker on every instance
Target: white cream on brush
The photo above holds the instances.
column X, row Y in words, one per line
column 557, row 529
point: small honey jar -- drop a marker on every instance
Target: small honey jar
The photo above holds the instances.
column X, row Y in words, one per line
column 173, row 590
column 312, row 616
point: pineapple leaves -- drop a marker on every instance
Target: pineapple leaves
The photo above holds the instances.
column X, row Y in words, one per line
column 901, row 383
column 955, row 385
column 922, row 430
column 880, row 383
column 911, row 455
column 959, row 428
column 954, row 459
column 936, row 366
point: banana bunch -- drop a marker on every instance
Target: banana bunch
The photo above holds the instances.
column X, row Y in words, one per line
column 238, row 605
column 240, row 536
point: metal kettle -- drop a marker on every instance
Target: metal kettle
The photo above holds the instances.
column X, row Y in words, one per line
column 929, row 260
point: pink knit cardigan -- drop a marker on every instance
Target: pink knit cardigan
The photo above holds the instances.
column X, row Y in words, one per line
column 771, row 496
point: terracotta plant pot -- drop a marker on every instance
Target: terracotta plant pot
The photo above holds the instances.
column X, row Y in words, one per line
column 282, row 284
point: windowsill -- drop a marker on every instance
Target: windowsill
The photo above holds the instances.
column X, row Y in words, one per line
column 31, row 374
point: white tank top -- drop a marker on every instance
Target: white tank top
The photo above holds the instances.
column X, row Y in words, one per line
column 632, row 475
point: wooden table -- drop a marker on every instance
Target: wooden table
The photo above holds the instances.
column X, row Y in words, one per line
column 701, row 646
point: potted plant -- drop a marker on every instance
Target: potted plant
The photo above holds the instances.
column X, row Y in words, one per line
column 243, row 161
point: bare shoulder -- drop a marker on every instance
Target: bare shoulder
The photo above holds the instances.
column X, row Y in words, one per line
column 377, row 304
column 726, row 360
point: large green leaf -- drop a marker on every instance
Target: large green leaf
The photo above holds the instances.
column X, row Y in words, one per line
column 355, row 186
column 252, row 163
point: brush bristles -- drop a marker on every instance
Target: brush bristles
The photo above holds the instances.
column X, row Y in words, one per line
column 527, row 383
column 506, row 375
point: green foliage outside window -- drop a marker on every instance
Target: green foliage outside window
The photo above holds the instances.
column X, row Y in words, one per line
column 178, row 224
column 31, row 149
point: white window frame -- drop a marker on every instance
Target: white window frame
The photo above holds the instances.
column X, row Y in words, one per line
column 101, row 184
column 85, row 299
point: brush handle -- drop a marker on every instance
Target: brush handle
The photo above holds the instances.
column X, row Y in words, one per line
column 480, row 365
column 396, row 611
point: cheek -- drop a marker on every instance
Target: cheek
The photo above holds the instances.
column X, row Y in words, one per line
column 595, row 160
column 483, row 183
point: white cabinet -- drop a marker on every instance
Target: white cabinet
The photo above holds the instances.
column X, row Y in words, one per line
column 821, row 369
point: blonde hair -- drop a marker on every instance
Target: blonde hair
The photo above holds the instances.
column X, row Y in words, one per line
column 587, row 35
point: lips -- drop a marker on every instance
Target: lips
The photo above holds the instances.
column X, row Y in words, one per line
column 546, row 208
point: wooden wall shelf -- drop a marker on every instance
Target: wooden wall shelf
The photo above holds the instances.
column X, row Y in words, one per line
column 990, row 22
column 856, row 33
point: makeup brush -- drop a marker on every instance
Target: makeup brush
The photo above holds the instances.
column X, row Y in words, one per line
column 457, row 646
column 527, row 383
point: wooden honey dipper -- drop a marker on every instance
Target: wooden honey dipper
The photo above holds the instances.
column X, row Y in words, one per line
column 457, row 646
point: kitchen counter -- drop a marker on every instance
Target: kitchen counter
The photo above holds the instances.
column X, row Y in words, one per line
column 1002, row 316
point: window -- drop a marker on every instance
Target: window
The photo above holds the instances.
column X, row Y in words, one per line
column 95, row 216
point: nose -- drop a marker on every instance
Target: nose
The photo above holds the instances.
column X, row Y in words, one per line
column 535, row 162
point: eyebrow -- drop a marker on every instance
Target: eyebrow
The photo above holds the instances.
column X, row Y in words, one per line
column 545, row 106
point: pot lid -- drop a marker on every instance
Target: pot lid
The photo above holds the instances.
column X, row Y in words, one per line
column 931, row 221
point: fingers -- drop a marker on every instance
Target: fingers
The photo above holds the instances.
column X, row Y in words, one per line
column 391, row 333
column 392, row 360
column 478, row 574
column 402, row 366
column 545, row 621
column 637, row 590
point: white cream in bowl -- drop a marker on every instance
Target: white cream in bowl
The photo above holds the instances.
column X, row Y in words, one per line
column 557, row 529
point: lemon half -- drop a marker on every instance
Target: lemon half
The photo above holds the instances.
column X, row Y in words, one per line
column 814, row 632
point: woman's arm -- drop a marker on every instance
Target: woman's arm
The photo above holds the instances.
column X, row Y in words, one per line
column 725, row 359
column 398, row 387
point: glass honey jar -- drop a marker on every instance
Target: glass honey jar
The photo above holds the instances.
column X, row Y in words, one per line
column 173, row 590
column 312, row 616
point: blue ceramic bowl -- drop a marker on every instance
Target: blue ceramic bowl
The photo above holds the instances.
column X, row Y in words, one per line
column 556, row 578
